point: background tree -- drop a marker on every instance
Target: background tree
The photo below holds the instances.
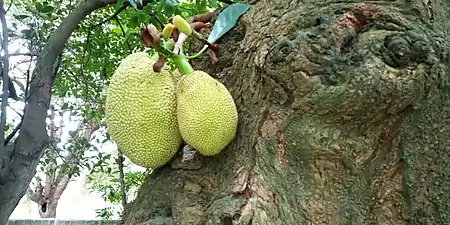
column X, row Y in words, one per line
column 58, row 174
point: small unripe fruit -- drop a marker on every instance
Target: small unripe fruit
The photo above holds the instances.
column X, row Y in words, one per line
column 167, row 31
column 170, row 44
column 182, row 25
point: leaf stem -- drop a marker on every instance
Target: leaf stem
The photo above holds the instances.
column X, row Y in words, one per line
column 198, row 53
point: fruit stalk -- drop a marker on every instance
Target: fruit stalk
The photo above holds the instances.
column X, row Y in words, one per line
column 183, row 64
column 179, row 58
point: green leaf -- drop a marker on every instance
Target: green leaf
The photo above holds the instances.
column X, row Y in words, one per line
column 134, row 21
column 65, row 106
column 155, row 22
column 26, row 33
column 168, row 7
column 38, row 6
column 213, row 3
column 47, row 9
column 201, row 5
column 226, row 20
column 133, row 4
column 20, row 17
column 161, row 17
column 119, row 4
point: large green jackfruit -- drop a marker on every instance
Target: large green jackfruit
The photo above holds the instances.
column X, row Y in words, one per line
column 141, row 111
column 206, row 113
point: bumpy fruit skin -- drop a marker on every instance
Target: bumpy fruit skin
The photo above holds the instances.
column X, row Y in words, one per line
column 182, row 25
column 141, row 111
column 206, row 113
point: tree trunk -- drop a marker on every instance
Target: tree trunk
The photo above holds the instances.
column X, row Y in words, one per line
column 48, row 209
column 344, row 116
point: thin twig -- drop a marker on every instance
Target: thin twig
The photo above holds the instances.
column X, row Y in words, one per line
column 28, row 82
column 23, row 54
column 123, row 7
column 14, row 132
column 17, row 128
column 56, row 150
column 5, row 73
column 123, row 33
column 116, row 14
column 18, row 113
column 58, row 64
column 227, row 2
column 122, row 179
column 9, row 7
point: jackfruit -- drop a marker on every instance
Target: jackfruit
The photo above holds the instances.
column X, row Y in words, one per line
column 167, row 31
column 182, row 25
column 141, row 111
column 206, row 113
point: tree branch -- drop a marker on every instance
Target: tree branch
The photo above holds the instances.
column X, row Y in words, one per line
column 9, row 7
column 32, row 195
column 37, row 194
column 229, row 2
column 31, row 54
column 123, row 7
column 5, row 72
column 13, row 133
column 63, row 177
column 123, row 33
column 57, row 66
column 17, row 128
column 118, row 11
column 48, row 185
column 60, row 187
column 109, row 2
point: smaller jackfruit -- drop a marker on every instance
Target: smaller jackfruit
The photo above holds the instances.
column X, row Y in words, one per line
column 140, row 111
column 167, row 31
column 182, row 25
column 206, row 113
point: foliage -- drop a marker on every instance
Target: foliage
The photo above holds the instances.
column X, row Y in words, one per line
column 106, row 182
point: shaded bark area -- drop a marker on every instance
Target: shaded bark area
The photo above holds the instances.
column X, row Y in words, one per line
column 343, row 119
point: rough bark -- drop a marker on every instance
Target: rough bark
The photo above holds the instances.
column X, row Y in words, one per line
column 18, row 163
column 344, row 116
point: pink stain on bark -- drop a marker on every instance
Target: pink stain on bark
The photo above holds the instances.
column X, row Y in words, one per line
column 351, row 22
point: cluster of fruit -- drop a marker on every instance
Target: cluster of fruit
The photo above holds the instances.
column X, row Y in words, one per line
column 149, row 113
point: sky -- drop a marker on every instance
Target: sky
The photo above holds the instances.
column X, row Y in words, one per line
column 76, row 202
